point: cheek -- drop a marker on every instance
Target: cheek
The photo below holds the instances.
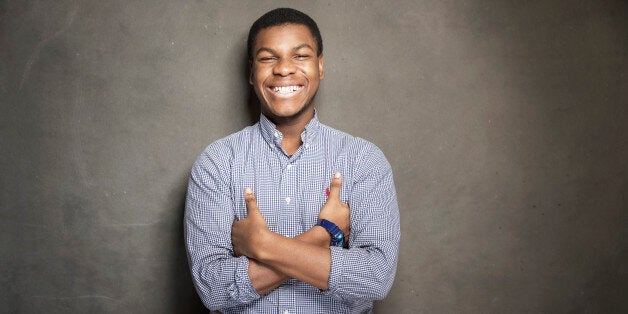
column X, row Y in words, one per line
column 258, row 75
column 313, row 72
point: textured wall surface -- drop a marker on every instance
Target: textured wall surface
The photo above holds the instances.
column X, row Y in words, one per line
column 506, row 123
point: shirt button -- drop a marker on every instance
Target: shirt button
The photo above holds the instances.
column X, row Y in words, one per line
column 289, row 166
column 276, row 134
column 286, row 312
column 287, row 200
column 307, row 145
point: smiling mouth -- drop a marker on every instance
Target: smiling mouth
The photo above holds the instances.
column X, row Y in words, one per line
column 286, row 90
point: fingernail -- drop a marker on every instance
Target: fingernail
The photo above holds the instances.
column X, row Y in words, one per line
column 248, row 191
column 337, row 175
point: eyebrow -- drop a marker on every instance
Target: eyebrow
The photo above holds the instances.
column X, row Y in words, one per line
column 269, row 50
column 302, row 46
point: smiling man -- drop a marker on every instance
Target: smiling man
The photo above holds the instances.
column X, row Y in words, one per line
column 290, row 215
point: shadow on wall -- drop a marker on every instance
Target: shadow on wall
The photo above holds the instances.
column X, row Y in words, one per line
column 188, row 300
column 253, row 104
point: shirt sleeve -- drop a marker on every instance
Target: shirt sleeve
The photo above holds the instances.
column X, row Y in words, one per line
column 221, row 279
column 367, row 269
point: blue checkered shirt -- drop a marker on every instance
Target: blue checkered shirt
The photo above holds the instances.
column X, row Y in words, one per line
column 290, row 191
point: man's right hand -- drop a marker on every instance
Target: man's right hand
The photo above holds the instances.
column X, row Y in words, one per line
column 334, row 209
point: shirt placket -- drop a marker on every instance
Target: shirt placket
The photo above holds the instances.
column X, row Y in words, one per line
column 286, row 300
column 287, row 224
column 288, row 188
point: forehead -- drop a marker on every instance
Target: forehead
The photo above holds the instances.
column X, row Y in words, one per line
column 285, row 36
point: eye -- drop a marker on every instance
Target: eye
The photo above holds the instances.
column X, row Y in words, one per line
column 267, row 59
column 301, row 57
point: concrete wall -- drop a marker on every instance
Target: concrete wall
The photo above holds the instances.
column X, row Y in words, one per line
column 506, row 123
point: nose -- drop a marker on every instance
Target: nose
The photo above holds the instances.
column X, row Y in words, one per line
column 284, row 67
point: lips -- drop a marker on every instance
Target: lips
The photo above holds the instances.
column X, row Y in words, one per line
column 286, row 90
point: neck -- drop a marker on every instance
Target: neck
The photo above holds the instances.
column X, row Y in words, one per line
column 291, row 129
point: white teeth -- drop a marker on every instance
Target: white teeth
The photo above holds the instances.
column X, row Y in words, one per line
column 286, row 89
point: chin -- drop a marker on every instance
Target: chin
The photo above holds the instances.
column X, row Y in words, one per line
column 287, row 110
column 282, row 114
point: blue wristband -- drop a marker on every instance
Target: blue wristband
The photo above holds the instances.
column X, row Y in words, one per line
column 337, row 236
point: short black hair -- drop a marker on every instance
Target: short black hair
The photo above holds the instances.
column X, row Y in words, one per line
column 282, row 16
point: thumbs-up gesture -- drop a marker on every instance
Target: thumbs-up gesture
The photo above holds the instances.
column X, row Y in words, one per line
column 245, row 232
column 334, row 209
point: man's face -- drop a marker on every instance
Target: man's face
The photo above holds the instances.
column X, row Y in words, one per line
column 285, row 70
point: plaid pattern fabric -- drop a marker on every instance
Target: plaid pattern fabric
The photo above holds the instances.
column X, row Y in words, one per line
column 290, row 191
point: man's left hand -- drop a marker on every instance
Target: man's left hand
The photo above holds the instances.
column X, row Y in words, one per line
column 248, row 234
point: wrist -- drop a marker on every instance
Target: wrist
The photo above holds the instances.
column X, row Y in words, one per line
column 322, row 236
column 259, row 244
column 316, row 235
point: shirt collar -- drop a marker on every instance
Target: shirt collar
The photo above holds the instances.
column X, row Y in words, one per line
column 274, row 136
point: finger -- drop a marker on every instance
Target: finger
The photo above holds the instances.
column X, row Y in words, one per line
column 334, row 187
column 251, row 201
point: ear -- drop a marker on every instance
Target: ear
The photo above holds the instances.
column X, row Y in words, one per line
column 321, row 68
column 250, row 72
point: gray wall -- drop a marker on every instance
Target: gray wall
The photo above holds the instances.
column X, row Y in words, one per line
column 506, row 123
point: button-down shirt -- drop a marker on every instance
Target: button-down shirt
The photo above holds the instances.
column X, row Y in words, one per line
column 290, row 192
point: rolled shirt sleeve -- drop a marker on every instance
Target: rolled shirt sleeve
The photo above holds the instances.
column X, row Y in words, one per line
column 366, row 270
column 220, row 278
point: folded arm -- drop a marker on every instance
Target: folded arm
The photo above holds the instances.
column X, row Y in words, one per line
column 364, row 271
column 275, row 258
column 224, row 280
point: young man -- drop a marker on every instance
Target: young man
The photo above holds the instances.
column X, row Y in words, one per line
column 290, row 215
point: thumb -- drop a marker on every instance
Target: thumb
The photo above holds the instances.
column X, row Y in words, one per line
column 251, row 201
column 334, row 187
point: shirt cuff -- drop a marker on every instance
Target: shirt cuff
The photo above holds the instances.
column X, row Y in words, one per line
column 242, row 289
column 338, row 258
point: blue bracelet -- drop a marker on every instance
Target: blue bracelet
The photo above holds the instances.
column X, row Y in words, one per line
column 337, row 236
